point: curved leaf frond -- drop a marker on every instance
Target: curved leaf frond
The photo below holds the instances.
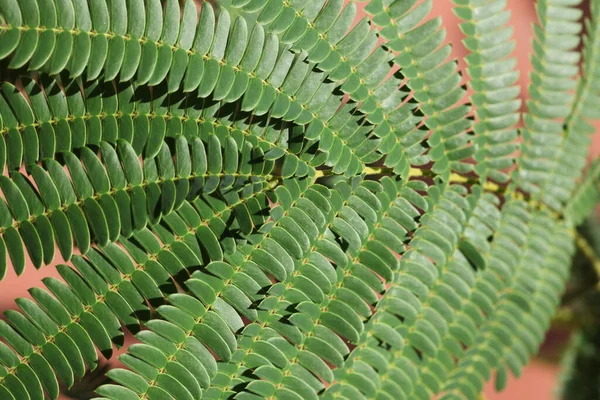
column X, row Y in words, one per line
column 493, row 79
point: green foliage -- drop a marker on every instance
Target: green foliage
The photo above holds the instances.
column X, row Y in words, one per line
column 283, row 200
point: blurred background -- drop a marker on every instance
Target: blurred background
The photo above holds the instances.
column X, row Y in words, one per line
column 540, row 379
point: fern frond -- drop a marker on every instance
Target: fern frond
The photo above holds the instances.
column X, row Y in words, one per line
column 435, row 81
column 56, row 339
column 411, row 317
column 579, row 128
column 359, row 66
column 225, row 67
column 585, row 196
column 225, row 287
column 108, row 285
column 343, row 309
column 493, row 80
column 367, row 80
column 532, row 297
column 69, row 115
column 98, row 203
column 308, row 284
column 554, row 132
column 350, row 56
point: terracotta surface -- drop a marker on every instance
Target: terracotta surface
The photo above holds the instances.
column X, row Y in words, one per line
column 537, row 383
column 539, row 378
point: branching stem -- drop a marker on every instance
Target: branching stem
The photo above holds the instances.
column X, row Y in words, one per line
column 588, row 251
